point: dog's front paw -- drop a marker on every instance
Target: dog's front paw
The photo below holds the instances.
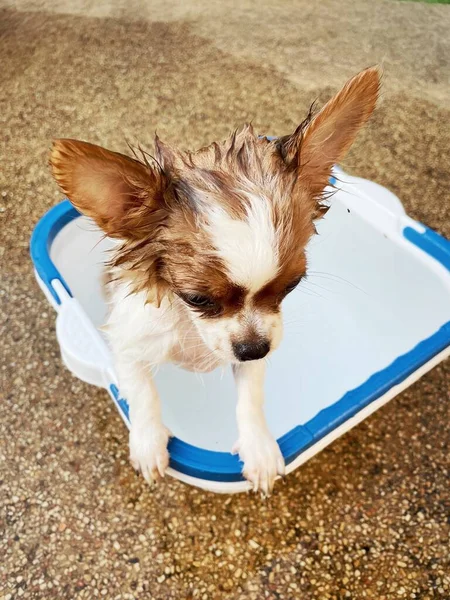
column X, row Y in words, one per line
column 148, row 451
column 262, row 459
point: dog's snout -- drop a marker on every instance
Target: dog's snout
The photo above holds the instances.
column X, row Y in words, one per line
column 251, row 350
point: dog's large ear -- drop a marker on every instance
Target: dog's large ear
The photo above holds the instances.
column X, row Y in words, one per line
column 123, row 195
column 317, row 145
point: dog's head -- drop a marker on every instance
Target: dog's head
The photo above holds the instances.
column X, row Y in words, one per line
column 221, row 231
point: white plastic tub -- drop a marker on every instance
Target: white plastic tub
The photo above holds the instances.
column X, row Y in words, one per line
column 372, row 317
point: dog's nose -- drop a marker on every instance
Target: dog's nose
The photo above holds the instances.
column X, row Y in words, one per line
column 251, row 350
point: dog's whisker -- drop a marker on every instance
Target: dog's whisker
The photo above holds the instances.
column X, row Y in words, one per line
column 336, row 278
column 321, row 287
column 302, row 290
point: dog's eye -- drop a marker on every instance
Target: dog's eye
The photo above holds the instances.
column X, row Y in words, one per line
column 196, row 300
column 289, row 288
column 199, row 301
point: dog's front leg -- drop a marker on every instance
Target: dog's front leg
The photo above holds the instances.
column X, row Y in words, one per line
column 257, row 448
column 148, row 435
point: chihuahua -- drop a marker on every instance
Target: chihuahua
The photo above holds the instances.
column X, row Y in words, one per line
column 208, row 245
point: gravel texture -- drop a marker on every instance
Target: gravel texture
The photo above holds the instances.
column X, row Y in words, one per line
column 367, row 518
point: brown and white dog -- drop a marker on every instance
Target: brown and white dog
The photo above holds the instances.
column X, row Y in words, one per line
column 210, row 242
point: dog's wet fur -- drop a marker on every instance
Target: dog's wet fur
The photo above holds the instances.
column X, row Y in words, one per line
column 209, row 244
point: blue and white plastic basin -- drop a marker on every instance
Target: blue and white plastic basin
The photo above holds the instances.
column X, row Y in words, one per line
column 372, row 317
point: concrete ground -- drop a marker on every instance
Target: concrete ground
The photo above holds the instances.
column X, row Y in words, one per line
column 367, row 518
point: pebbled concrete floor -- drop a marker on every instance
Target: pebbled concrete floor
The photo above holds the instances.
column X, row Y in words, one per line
column 367, row 518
